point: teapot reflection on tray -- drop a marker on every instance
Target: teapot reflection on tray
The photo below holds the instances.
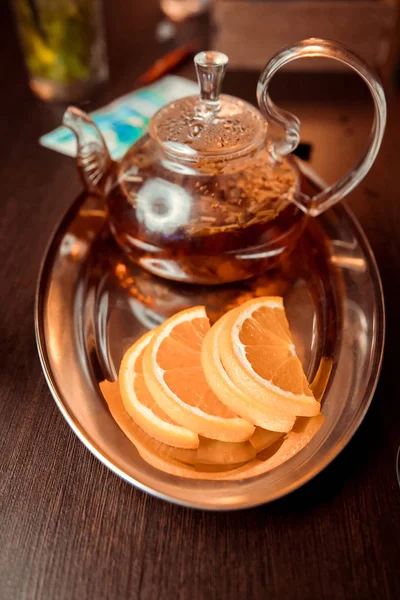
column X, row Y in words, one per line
column 207, row 196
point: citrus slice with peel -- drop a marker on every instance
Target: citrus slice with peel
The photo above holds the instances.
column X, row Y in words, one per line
column 175, row 461
column 304, row 430
column 140, row 404
column 243, row 403
column 258, row 355
column 262, row 439
column 179, row 462
column 214, row 452
column 174, row 376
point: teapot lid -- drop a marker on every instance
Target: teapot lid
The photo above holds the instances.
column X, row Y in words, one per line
column 209, row 124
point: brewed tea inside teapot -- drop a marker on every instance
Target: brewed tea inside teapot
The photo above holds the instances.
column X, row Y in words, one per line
column 207, row 196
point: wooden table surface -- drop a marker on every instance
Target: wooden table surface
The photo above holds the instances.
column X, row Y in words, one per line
column 69, row 528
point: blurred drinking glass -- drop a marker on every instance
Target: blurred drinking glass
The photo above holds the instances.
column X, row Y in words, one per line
column 64, row 46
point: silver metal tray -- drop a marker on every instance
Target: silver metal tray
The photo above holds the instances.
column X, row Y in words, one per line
column 92, row 304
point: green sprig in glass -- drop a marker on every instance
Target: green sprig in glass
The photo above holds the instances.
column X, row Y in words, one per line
column 64, row 46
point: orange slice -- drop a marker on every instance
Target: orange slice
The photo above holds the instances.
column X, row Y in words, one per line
column 262, row 439
column 243, row 403
column 302, row 433
column 214, row 452
column 258, row 355
column 175, row 461
column 321, row 379
column 178, row 462
column 140, row 404
column 174, row 376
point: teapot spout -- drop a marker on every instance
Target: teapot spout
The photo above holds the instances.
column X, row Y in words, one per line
column 93, row 159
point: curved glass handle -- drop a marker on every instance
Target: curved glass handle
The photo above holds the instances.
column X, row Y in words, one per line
column 312, row 48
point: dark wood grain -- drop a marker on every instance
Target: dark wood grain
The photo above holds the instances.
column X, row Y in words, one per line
column 69, row 528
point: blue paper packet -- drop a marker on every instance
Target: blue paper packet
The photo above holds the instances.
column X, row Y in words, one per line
column 124, row 120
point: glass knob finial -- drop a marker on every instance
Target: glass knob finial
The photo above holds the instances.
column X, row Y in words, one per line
column 210, row 69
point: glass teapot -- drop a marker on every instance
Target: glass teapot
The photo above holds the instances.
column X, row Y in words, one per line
column 206, row 196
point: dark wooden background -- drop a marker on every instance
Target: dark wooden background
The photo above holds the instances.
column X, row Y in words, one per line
column 70, row 529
